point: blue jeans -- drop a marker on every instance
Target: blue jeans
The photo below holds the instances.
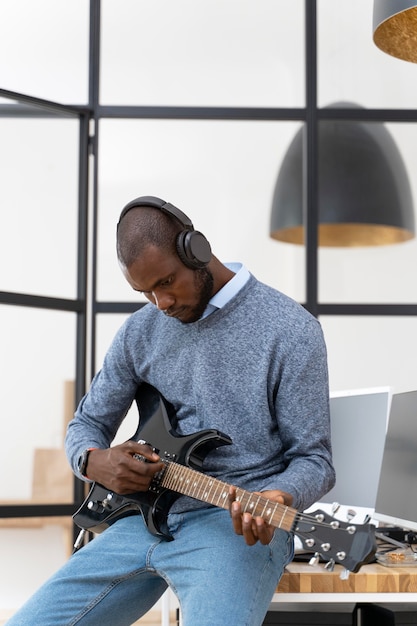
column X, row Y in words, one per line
column 116, row 578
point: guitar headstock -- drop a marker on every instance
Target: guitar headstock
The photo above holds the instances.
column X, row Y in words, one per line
column 350, row 545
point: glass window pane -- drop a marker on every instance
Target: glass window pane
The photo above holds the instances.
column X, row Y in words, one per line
column 107, row 327
column 44, row 47
column 213, row 53
column 371, row 352
column 39, row 193
column 373, row 274
column 220, row 173
column 350, row 66
column 37, row 365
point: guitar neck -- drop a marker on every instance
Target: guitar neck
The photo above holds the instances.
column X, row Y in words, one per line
column 189, row 482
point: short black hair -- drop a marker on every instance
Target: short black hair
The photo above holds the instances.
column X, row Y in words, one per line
column 144, row 226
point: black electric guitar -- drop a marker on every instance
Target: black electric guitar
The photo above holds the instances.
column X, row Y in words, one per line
column 334, row 541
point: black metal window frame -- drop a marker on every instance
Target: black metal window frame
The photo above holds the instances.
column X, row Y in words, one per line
column 24, row 106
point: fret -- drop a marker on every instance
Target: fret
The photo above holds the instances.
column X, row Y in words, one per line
column 273, row 512
column 199, row 488
column 265, row 511
column 207, row 495
column 250, row 506
column 286, row 517
column 222, row 495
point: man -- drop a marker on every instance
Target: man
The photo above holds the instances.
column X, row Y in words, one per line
column 228, row 353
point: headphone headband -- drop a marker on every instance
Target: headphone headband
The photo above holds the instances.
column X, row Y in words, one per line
column 158, row 203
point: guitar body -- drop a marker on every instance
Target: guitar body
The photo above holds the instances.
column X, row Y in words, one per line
column 103, row 507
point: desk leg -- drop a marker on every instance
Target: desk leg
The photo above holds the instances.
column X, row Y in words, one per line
column 165, row 609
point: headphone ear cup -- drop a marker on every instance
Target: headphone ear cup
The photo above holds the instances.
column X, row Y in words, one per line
column 193, row 249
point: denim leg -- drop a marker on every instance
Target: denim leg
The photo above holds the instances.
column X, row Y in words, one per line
column 218, row 579
column 118, row 577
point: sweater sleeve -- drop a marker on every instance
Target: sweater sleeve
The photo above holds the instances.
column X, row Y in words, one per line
column 302, row 414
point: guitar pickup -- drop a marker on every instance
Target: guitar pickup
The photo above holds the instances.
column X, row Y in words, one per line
column 156, row 481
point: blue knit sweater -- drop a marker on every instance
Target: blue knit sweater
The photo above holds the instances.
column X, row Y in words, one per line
column 256, row 370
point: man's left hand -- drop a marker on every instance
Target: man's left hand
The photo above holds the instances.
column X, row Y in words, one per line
column 254, row 529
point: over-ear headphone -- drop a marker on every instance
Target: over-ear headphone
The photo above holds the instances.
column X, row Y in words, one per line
column 192, row 246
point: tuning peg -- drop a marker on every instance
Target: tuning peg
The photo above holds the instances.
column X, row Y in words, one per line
column 314, row 559
column 330, row 565
column 335, row 507
column 350, row 514
column 344, row 574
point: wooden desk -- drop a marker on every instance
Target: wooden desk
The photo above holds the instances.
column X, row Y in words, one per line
column 372, row 578
column 306, row 589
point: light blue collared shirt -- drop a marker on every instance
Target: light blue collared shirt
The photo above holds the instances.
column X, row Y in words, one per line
column 230, row 289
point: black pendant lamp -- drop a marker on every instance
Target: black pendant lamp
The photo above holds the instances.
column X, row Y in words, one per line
column 364, row 195
column 395, row 28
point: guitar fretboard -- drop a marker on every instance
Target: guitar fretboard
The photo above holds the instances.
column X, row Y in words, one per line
column 191, row 483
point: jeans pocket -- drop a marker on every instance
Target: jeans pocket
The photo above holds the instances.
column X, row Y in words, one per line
column 282, row 542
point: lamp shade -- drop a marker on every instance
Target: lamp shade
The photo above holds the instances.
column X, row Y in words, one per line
column 364, row 195
column 395, row 28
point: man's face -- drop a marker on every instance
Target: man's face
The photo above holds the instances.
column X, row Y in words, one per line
column 175, row 289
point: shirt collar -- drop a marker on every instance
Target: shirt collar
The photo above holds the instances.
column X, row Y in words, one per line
column 230, row 289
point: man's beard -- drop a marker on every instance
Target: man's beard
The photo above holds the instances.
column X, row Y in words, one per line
column 203, row 280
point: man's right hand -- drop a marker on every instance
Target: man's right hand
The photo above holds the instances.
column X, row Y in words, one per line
column 117, row 469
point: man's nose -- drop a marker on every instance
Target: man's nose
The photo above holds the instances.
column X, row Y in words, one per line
column 162, row 300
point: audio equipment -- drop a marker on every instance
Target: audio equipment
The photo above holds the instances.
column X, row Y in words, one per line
column 192, row 247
